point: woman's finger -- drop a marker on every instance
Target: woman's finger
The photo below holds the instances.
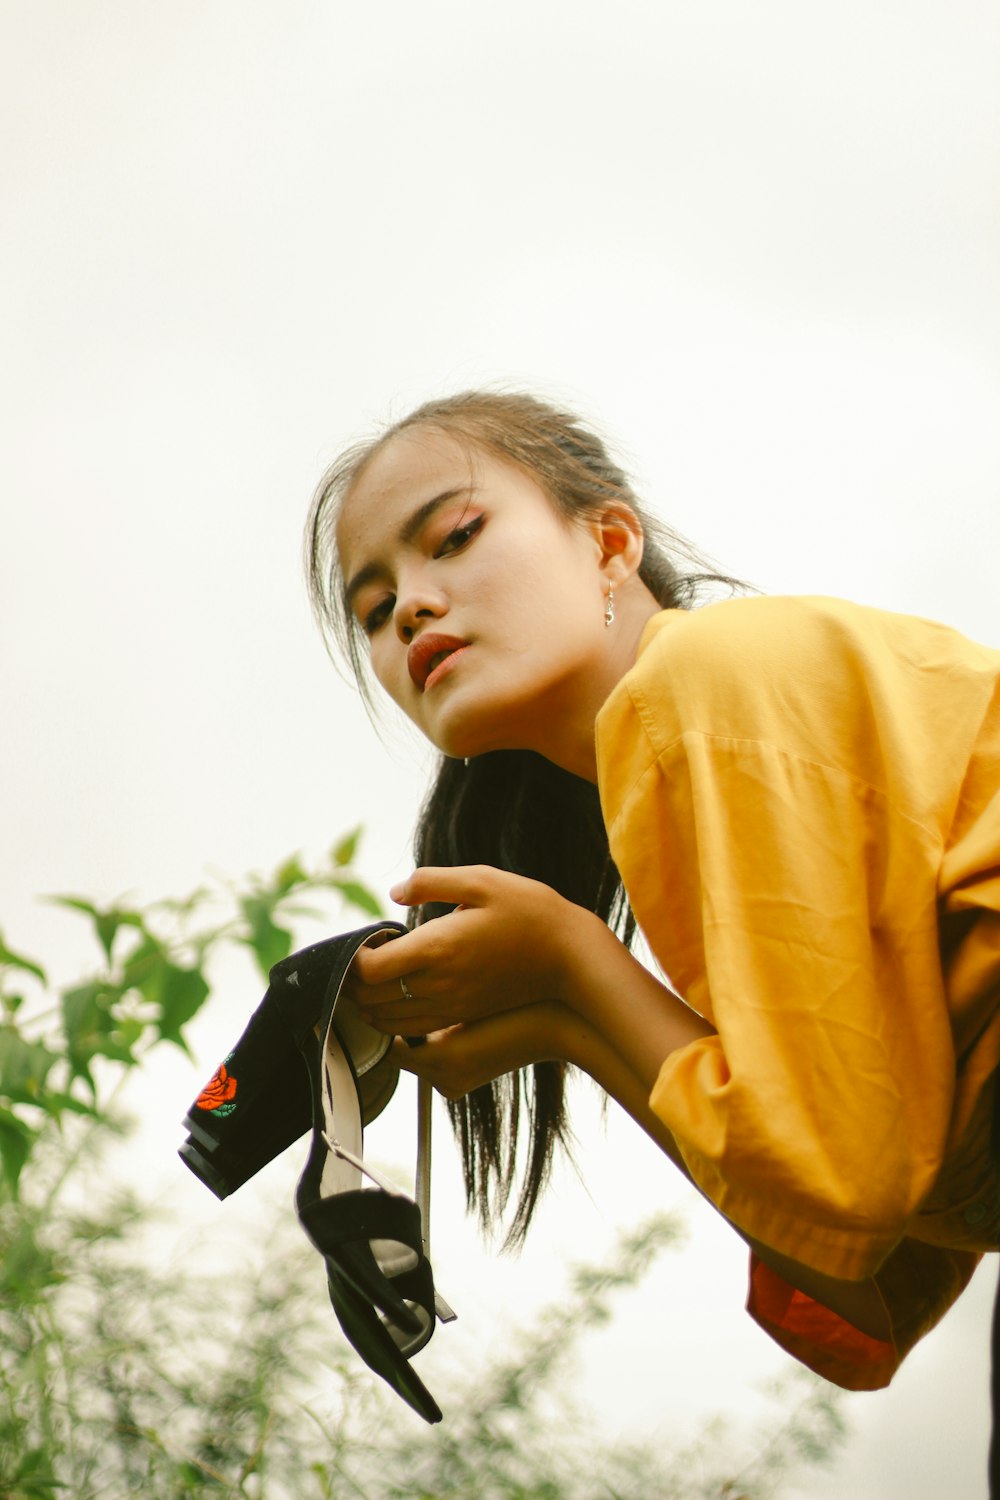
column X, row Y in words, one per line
column 452, row 884
column 406, row 954
column 389, row 1009
column 456, row 1059
column 413, row 1020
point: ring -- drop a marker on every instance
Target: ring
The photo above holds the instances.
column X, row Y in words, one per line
column 407, row 994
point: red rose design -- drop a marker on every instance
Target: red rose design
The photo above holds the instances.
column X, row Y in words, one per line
column 218, row 1091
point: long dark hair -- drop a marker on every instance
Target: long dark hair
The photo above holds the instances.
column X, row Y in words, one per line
column 511, row 808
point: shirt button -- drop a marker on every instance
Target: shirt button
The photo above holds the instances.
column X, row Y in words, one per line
column 975, row 1213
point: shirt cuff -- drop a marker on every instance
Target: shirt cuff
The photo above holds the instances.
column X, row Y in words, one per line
column 917, row 1284
column 817, row 1337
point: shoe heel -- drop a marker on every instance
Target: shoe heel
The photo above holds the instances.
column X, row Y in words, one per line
column 258, row 1101
column 255, row 1105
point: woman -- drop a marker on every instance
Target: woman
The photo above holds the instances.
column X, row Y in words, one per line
column 798, row 800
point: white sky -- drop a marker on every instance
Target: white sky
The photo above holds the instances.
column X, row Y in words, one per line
column 757, row 244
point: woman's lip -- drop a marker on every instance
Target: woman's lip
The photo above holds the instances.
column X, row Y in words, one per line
column 423, row 651
column 443, row 667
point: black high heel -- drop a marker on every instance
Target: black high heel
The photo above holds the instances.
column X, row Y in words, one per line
column 258, row 1101
column 373, row 1241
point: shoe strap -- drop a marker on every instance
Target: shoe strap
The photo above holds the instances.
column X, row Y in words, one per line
column 379, row 1178
column 422, row 1188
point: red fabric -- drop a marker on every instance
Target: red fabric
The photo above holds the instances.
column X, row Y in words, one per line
column 816, row 1336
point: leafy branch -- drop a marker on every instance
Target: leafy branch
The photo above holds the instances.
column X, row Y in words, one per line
column 151, row 978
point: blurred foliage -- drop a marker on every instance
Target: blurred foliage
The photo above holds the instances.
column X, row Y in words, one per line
column 152, row 979
column 123, row 1377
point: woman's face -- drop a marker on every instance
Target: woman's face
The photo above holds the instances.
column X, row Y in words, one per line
column 483, row 608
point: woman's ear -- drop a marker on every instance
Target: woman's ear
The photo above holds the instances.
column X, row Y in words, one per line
column 618, row 533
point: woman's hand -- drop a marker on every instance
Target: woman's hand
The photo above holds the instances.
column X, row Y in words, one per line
column 502, row 949
column 514, row 942
column 461, row 1058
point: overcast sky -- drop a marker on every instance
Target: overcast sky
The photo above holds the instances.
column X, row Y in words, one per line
column 756, row 244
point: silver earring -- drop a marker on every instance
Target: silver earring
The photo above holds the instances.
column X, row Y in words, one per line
column 609, row 606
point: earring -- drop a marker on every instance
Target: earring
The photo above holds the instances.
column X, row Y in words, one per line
column 609, row 606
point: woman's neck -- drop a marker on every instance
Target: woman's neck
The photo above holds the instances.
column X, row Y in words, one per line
column 569, row 738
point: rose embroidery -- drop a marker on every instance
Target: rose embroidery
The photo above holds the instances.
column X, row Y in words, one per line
column 219, row 1092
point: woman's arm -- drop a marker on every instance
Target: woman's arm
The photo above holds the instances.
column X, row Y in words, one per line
column 465, row 1056
column 590, row 1003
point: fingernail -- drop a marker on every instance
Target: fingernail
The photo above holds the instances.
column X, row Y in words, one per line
column 397, row 891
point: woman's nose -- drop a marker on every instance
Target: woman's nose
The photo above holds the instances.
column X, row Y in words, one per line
column 415, row 608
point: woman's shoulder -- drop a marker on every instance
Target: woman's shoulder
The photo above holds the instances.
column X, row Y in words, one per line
column 745, row 646
column 803, row 671
column 813, row 637
column 783, row 623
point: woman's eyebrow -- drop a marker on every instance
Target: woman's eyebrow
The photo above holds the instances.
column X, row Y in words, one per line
column 408, row 532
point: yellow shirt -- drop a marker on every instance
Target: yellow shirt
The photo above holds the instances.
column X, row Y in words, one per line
column 803, row 799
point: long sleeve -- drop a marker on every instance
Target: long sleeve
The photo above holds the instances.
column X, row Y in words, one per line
column 816, row 1119
column 780, row 779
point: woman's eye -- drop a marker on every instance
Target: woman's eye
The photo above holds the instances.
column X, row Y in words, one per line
column 456, row 540
column 377, row 616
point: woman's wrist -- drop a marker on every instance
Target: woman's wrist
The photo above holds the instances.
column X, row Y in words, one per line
column 584, row 945
column 563, row 1035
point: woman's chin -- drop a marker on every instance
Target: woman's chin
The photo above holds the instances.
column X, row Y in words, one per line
column 465, row 742
column 462, row 727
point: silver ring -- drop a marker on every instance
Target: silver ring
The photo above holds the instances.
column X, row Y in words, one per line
column 407, row 994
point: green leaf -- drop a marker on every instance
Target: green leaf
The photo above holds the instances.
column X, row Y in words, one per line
column 357, row 895
column 108, row 923
column 82, row 1023
column 106, row 920
column 94, row 1030
column 24, row 1067
column 128, row 1032
column 269, row 942
column 344, row 853
column 11, row 960
column 16, row 1141
column 56, row 1102
column 180, row 994
column 142, row 966
column 182, row 906
column 74, row 903
column 288, row 875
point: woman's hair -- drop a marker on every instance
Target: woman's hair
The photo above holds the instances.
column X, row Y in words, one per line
column 511, row 808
